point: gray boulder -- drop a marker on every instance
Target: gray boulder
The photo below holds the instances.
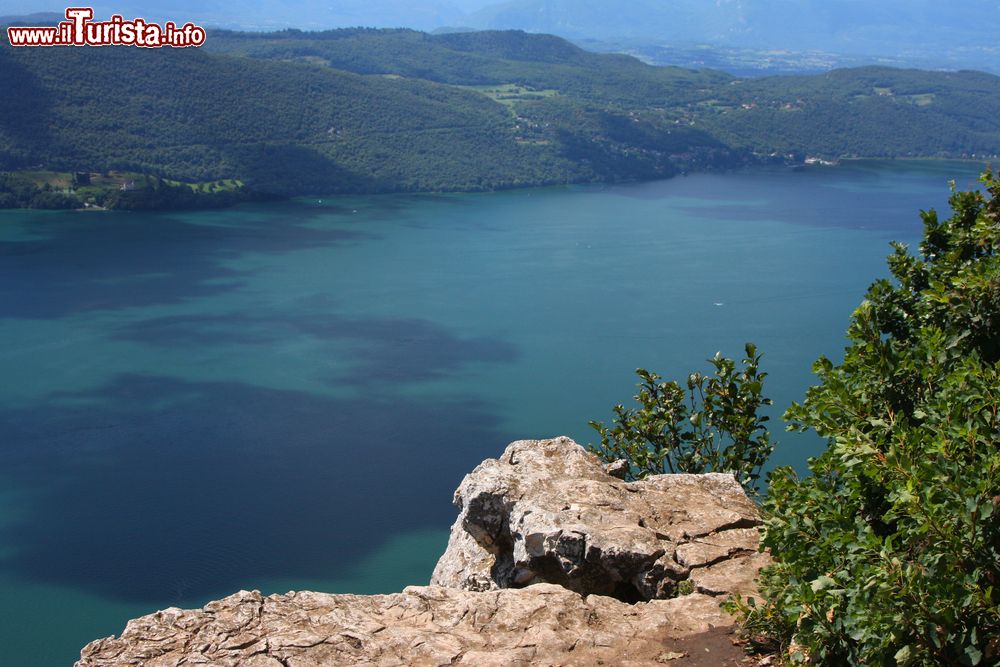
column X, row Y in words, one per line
column 549, row 511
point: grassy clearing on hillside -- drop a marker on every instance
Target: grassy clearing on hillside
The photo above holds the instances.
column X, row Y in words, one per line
column 509, row 94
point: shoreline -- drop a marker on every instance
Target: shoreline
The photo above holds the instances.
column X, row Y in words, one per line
column 246, row 196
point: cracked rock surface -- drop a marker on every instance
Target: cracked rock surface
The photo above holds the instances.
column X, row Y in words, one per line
column 548, row 511
column 423, row 625
column 547, row 554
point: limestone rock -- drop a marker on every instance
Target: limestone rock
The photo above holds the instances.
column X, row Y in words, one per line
column 539, row 625
column 549, row 511
column 547, row 553
column 618, row 469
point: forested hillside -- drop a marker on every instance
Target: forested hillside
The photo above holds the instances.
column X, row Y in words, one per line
column 398, row 110
column 479, row 58
column 870, row 112
column 280, row 127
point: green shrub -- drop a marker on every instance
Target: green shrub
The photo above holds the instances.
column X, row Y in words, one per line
column 889, row 552
column 54, row 200
column 712, row 426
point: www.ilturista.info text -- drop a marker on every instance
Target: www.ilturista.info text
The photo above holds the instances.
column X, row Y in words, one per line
column 80, row 30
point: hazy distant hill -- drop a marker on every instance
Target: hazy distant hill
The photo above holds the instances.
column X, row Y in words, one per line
column 273, row 14
column 912, row 32
column 845, row 26
column 38, row 18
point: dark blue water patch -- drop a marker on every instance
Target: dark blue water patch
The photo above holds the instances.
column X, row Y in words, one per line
column 114, row 261
column 820, row 202
column 162, row 491
column 386, row 350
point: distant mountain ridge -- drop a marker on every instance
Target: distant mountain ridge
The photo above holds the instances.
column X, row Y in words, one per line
column 847, row 26
column 897, row 28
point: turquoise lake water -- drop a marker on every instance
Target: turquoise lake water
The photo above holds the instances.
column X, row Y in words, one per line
column 285, row 396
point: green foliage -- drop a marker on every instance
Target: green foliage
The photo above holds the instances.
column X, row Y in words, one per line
column 685, row 587
column 889, row 553
column 59, row 190
column 713, row 425
column 763, row 626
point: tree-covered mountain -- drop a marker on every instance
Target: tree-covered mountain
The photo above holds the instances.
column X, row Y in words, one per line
column 279, row 127
column 296, row 127
column 398, row 110
column 480, row 58
column 870, row 111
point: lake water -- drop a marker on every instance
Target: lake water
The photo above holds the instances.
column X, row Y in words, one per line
column 285, row 396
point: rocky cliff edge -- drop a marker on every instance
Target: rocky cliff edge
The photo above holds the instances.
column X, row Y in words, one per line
column 553, row 560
